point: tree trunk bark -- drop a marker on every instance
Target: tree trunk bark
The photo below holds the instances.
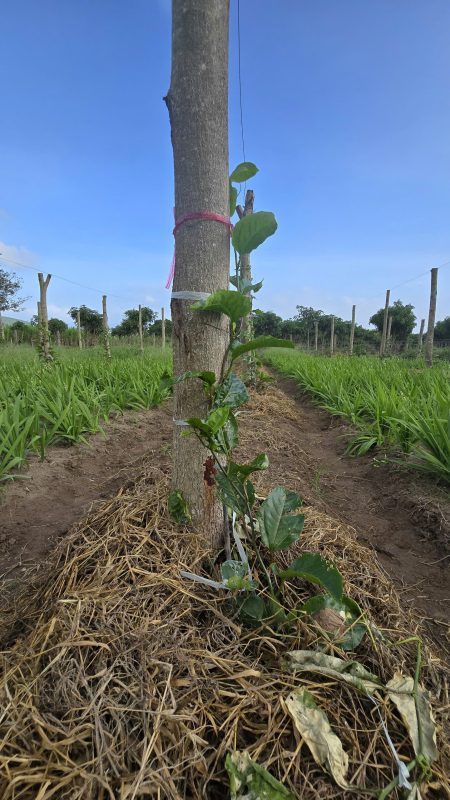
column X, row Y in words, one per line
column 385, row 321
column 316, row 336
column 141, row 335
column 106, row 342
column 431, row 319
column 45, row 335
column 2, row 329
column 58, row 338
column 352, row 330
column 198, row 108
column 80, row 341
column 420, row 339
column 332, row 337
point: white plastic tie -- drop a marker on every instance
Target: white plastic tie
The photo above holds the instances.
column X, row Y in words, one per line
column 181, row 422
column 190, row 295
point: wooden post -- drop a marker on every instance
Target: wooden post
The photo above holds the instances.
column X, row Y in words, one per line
column 307, row 339
column 352, row 330
column 385, row 322
column 2, row 329
column 420, row 339
column 431, row 319
column 16, row 336
column 141, row 335
column 58, row 338
column 198, row 108
column 45, row 335
column 388, row 335
column 153, row 339
column 316, row 336
column 332, row 337
column 163, row 329
column 106, row 342
column 80, row 340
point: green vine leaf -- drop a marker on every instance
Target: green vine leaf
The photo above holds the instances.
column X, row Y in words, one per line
column 231, row 392
column 251, row 609
column 278, row 529
column 258, row 343
column 350, row 612
column 207, row 377
column 228, row 436
column 243, row 172
column 236, row 494
column 253, row 230
column 261, row 462
column 178, row 508
column 234, row 304
column 233, row 199
column 250, row 781
column 314, row 568
column 245, row 286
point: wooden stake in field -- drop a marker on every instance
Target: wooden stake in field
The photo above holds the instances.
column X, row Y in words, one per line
column 385, row 322
column 429, row 341
column 388, row 335
column 141, row 335
column 80, row 340
column 105, row 327
column 16, row 336
column 2, row 329
column 352, row 330
column 58, row 338
column 332, row 337
column 316, row 336
column 420, row 339
column 198, row 108
column 44, row 334
column 163, row 329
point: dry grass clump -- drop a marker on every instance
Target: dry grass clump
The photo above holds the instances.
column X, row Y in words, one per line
column 130, row 682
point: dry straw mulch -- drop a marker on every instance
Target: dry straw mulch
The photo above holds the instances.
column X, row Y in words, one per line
column 123, row 681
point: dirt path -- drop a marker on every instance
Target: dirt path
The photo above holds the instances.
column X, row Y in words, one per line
column 401, row 518
column 41, row 506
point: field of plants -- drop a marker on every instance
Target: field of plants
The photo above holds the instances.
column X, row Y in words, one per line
column 62, row 401
column 393, row 402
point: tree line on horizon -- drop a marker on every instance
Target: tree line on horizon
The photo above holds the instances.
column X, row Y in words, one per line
column 300, row 327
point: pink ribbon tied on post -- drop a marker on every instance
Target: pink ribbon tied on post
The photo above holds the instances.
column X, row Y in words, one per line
column 185, row 218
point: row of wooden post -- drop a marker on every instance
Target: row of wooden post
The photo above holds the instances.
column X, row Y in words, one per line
column 44, row 335
column 429, row 341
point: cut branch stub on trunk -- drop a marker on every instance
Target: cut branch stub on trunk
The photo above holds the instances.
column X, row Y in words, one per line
column 198, row 109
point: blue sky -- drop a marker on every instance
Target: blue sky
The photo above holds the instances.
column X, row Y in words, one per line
column 346, row 112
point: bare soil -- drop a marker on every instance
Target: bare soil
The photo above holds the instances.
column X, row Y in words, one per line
column 404, row 518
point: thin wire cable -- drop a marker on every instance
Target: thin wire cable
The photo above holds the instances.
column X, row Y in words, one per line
column 239, row 74
column 62, row 278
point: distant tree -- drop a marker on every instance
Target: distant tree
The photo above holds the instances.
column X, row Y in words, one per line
column 10, row 284
column 266, row 323
column 442, row 330
column 91, row 321
column 403, row 320
column 156, row 328
column 55, row 325
column 18, row 325
column 130, row 322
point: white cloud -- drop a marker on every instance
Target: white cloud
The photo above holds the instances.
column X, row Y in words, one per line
column 14, row 253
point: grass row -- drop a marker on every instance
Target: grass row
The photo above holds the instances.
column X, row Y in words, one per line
column 392, row 402
column 61, row 402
